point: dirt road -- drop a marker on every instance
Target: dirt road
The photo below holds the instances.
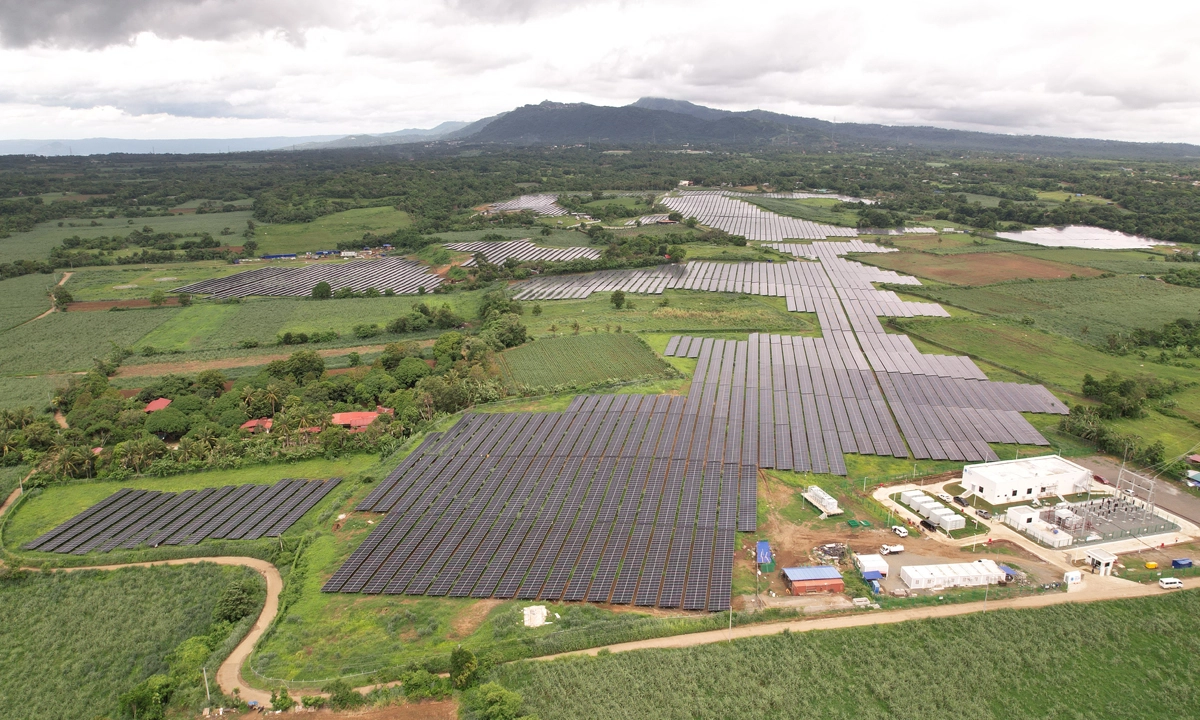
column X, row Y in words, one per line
column 65, row 277
column 1095, row 588
column 195, row 366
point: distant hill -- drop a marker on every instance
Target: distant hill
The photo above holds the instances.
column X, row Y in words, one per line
column 104, row 146
column 673, row 122
column 411, row 135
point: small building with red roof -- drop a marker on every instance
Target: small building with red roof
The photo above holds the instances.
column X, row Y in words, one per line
column 259, row 425
column 353, row 420
column 156, row 405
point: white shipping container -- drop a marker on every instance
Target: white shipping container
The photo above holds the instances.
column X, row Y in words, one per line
column 973, row 574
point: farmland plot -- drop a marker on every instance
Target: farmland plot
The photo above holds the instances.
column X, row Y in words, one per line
column 579, row 360
column 24, row 298
column 69, row 341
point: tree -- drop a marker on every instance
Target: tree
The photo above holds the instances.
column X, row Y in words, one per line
column 281, row 700
column 462, row 667
column 249, row 248
column 342, row 696
column 448, row 344
column 168, row 421
column 618, row 299
column 410, row 370
column 62, row 297
column 145, row 700
column 492, row 701
column 536, row 310
column 677, row 253
column 184, row 299
column 322, row 291
column 210, row 383
column 236, row 602
column 545, row 231
column 506, row 331
column 157, row 298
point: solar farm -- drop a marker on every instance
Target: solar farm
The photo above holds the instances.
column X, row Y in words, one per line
column 540, row 204
column 131, row 518
column 723, row 211
column 403, row 277
column 497, row 252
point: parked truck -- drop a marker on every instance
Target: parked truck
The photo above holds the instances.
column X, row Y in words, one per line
column 891, row 549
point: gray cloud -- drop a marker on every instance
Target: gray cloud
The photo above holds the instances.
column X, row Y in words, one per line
column 92, row 24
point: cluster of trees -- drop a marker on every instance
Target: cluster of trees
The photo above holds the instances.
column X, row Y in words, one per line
column 112, row 436
column 1187, row 277
column 1180, row 336
column 1125, row 397
column 1086, row 422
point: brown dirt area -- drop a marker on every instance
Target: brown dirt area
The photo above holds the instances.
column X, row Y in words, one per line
column 447, row 710
column 979, row 268
column 468, row 622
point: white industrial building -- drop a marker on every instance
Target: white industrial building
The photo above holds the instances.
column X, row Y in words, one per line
column 936, row 577
column 1011, row 481
column 867, row 563
column 933, row 511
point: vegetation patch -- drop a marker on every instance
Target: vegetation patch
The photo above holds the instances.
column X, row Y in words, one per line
column 978, row 268
column 580, row 360
column 884, row 671
column 71, row 644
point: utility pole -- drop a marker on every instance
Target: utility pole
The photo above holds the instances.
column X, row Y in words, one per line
column 207, row 694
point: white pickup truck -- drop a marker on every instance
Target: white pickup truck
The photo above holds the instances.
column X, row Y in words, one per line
column 891, row 549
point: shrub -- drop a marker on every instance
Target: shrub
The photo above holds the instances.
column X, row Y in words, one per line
column 462, row 667
column 322, row 291
column 617, row 299
column 365, row 330
column 236, row 602
column 342, row 696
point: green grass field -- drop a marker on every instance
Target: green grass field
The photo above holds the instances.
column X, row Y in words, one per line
column 59, row 503
column 1130, row 262
column 35, row 391
column 819, row 210
column 1086, row 310
column 1001, row 664
column 326, row 232
column 24, row 298
column 63, row 342
column 112, row 283
column 71, row 643
column 37, row 243
column 580, row 360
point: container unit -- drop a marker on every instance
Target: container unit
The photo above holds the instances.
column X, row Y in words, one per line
column 949, row 520
column 871, row 563
column 936, row 577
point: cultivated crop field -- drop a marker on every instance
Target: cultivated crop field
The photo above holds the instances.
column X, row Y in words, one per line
column 69, row 341
column 580, row 360
column 1129, row 262
column 37, row 243
column 112, row 283
column 1050, row 662
column 24, row 298
column 326, row 232
column 36, row 391
column 70, row 643
column 977, row 268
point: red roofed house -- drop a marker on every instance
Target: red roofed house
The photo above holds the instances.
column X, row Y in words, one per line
column 158, row 404
column 1194, row 459
column 353, row 420
column 259, row 425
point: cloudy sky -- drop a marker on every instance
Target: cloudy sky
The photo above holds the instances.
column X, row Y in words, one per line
column 243, row 68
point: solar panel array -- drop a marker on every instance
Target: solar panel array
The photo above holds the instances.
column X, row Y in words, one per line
column 540, row 204
column 388, row 273
column 497, row 252
column 627, row 499
column 129, row 518
column 718, row 209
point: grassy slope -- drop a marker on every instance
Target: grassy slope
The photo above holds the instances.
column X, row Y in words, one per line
column 816, row 209
column 109, row 283
column 326, row 232
column 37, row 243
column 70, row 643
column 1051, row 662
column 24, row 298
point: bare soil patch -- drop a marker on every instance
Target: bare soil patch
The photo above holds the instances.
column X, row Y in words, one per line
column 195, row 366
column 447, row 710
column 979, row 268
column 468, row 622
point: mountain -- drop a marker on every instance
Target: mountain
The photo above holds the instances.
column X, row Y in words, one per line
column 411, row 135
column 103, row 146
column 661, row 121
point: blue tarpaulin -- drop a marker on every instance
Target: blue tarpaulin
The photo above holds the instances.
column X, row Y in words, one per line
column 1008, row 571
column 762, row 553
column 872, row 575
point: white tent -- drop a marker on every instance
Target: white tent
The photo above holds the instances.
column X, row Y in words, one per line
column 980, row 572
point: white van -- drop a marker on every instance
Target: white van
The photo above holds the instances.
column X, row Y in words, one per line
column 1170, row 584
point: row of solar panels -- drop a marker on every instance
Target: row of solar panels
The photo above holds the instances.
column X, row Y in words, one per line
column 390, row 273
column 593, row 503
column 540, row 204
column 718, row 210
column 497, row 252
column 941, row 417
column 129, row 518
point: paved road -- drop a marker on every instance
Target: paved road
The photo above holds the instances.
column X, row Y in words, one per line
column 1167, row 494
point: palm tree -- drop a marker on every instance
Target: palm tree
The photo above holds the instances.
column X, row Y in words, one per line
column 10, row 441
column 273, row 395
column 247, row 396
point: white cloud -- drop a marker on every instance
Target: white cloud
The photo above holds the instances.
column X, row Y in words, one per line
column 191, row 68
